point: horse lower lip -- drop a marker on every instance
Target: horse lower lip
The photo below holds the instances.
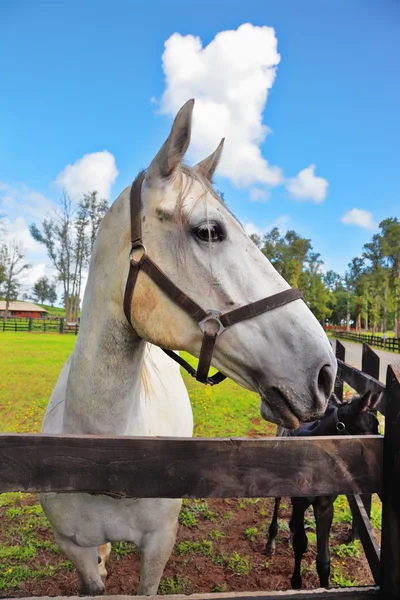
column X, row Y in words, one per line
column 285, row 412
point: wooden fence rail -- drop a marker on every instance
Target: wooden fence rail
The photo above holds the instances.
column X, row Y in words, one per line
column 390, row 344
column 190, row 467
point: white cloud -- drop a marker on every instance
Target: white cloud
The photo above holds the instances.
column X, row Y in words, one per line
column 19, row 199
column 17, row 229
column 92, row 172
column 230, row 80
column 360, row 218
column 259, row 195
column 307, row 186
column 281, row 223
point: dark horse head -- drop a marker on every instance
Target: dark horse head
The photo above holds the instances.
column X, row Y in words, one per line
column 356, row 417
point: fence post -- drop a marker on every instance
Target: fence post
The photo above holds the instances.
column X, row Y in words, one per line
column 340, row 353
column 370, row 366
column 61, row 329
column 370, row 361
column 30, row 324
column 390, row 555
column 76, row 328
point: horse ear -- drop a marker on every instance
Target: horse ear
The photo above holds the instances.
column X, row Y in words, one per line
column 375, row 402
column 365, row 401
column 173, row 150
column 208, row 166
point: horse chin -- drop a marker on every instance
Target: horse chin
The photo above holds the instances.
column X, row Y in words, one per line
column 275, row 407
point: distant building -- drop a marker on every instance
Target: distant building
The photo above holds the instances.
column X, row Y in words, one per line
column 22, row 309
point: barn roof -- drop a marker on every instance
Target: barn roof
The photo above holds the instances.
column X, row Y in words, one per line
column 22, row 307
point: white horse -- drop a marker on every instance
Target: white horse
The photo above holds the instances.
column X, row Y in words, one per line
column 119, row 382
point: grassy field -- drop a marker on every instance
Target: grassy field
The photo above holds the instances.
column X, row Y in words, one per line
column 218, row 539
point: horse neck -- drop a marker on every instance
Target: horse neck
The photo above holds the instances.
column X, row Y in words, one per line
column 104, row 383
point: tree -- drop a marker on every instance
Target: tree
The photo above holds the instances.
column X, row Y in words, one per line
column 69, row 238
column 293, row 257
column 11, row 257
column 44, row 290
column 52, row 295
column 391, row 250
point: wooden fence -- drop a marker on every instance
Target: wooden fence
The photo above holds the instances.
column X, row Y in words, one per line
column 38, row 325
column 391, row 344
column 220, row 468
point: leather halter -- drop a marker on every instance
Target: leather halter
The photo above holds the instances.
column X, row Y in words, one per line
column 211, row 322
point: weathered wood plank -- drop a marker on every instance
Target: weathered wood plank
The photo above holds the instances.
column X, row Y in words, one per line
column 390, row 581
column 361, row 593
column 191, row 467
column 362, row 382
column 367, row 535
column 370, row 361
column 340, row 353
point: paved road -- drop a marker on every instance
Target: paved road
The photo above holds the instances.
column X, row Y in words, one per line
column 353, row 357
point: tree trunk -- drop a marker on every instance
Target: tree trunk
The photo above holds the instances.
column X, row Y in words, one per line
column 384, row 327
column 376, row 315
column 348, row 311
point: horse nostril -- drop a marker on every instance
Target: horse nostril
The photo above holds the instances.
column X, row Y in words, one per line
column 325, row 380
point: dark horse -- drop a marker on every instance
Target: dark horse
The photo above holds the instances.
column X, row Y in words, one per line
column 356, row 417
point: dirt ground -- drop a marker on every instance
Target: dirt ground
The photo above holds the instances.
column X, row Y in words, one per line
column 220, row 547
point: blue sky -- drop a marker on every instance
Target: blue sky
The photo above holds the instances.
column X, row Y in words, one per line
column 80, row 78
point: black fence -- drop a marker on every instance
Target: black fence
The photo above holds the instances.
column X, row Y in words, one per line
column 38, row 325
column 391, row 344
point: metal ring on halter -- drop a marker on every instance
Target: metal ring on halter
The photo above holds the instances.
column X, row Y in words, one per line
column 133, row 249
column 341, row 427
column 212, row 315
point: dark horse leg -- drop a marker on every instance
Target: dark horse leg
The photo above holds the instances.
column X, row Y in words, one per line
column 273, row 529
column 367, row 501
column 323, row 511
column 300, row 540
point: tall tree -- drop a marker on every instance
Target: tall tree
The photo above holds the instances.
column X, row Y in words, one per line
column 69, row 238
column 391, row 249
column 12, row 257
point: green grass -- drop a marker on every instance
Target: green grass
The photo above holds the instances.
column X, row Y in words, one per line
column 53, row 311
column 30, row 366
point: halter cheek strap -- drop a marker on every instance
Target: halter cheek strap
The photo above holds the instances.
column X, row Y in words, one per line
column 212, row 322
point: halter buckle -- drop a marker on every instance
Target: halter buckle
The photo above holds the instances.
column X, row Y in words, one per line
column 134, row 249
column 212, row 316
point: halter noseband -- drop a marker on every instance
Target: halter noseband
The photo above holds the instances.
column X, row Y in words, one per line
column 212, row 322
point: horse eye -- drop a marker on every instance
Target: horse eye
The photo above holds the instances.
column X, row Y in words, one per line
column 210, row 232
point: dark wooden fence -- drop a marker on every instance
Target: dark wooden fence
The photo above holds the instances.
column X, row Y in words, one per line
column 38, row 325
column 220, row 468
column 391, row 344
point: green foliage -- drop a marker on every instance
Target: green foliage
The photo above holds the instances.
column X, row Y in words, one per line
column 240, row 565
column 342, row 512
column 350, row 549
column 44, row 290
column 220, row 587
column 175, row 585
column 339, row 578
column 251, row 533
column 283, row 526
column 120, row 549
column 187, row 518
column 376, row 514
column 204, row 547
